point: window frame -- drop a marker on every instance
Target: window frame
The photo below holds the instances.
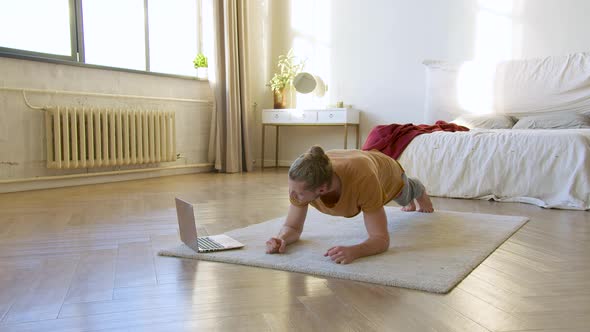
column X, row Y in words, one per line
column 77, row 55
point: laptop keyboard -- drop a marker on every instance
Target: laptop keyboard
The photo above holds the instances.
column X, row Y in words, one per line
column 206, row 244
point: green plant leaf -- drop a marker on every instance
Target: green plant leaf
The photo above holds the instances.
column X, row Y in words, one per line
column 200, row 61
column 288, row 69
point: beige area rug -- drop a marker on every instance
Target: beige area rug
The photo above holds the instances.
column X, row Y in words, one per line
column 430, row 252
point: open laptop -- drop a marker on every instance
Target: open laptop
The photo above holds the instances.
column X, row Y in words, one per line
column 188, row 232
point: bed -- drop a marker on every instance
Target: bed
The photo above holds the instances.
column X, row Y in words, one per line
column 547, row 165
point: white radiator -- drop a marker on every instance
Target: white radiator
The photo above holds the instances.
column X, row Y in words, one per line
column 87, row 137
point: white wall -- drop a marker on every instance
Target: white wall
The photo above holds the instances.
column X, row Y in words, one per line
column 22, row 131
column 375, row 49
column 552, row 27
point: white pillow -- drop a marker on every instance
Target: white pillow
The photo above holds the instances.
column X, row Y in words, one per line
column 554, row 121
column 491, row 121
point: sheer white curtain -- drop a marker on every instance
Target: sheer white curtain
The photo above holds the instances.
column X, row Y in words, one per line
column 229, row 142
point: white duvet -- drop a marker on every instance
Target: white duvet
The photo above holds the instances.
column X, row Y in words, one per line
column 548, row 168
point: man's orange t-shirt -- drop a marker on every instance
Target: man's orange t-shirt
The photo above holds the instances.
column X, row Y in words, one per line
column 370, row 179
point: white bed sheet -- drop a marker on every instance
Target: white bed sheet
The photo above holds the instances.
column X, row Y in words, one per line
column 548, row 168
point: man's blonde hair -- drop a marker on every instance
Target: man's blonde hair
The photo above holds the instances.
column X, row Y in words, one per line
column 313, row 167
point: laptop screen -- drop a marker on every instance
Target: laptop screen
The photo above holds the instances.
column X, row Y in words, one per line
column 186, row 222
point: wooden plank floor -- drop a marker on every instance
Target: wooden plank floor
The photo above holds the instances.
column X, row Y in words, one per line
column 84, row 259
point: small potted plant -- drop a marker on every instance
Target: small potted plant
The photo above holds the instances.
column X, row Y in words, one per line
column 288, row 69
column 201, row 64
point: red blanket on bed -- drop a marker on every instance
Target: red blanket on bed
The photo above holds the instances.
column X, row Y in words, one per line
column 394, row 138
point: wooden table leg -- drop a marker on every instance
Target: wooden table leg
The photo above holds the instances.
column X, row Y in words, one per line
column 358, row 136
column 262, row 158
column 345, row 136
column 277, row 148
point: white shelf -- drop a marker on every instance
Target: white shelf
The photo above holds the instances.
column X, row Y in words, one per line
column 310, row 116
column 345, row 117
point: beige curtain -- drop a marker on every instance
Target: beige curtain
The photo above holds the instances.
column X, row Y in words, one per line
column 229, row 142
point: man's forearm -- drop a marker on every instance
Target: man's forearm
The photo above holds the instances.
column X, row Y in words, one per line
column 372, row 246
column 289, row 234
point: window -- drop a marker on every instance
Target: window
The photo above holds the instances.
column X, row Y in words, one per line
column 114, row 33
column 172, row 24
column 161, row 36
column 36, row 26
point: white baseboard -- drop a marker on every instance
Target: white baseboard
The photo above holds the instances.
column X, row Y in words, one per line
column 271, row 163
column 14, row 185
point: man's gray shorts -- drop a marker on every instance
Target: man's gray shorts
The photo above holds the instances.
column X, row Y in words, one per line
column 413, row 189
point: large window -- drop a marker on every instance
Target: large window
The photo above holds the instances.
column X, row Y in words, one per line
column 36, row 26
column 161, row 36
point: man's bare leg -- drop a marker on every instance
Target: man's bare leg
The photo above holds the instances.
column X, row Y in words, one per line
column 425, row 203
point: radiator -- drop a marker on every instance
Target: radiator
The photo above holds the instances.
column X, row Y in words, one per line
column 88, row 137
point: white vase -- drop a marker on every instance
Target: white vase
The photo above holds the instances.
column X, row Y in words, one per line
column 202, row 73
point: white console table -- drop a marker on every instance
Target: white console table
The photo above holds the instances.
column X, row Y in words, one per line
column 343, row 117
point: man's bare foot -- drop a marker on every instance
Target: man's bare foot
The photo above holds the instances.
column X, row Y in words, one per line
column 410, row 207
column 425, row 203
